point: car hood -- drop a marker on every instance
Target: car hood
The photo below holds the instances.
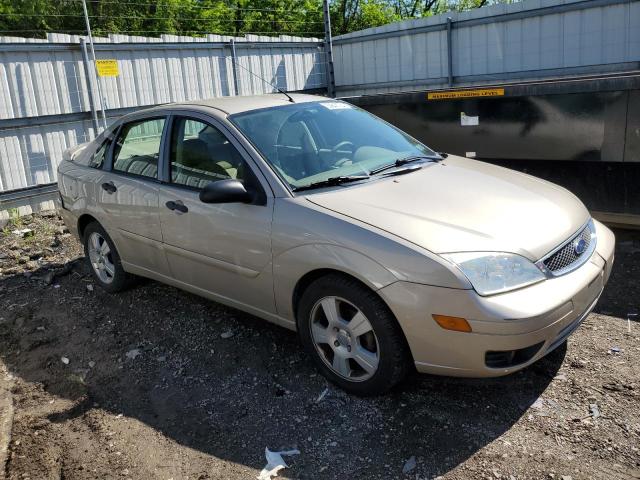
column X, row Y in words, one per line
column 461, row 205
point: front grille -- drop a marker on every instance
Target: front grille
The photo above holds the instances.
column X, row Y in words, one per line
column 567, row 255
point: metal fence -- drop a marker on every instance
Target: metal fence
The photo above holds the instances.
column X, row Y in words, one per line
column 52, row 99
column 528, row 40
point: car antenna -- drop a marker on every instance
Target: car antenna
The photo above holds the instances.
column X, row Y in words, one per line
column 267, row 82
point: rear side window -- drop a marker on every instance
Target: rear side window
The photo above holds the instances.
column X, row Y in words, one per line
column 137, row 148
column 97, row 159
column 200, row 153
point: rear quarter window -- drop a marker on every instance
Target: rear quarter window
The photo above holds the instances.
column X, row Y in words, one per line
column 97, row 159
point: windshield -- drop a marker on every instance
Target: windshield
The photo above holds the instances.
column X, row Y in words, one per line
column 316, row 141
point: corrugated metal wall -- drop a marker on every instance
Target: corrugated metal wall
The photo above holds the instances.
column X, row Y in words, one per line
column 44, row 93
column 527, row 40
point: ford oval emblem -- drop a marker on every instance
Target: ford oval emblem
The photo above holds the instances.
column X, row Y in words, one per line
column 579, row 246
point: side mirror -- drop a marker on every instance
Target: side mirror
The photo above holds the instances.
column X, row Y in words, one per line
column 225, row 191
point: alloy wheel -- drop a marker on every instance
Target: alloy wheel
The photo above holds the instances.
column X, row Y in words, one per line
column 101, row 258
column 344, row 339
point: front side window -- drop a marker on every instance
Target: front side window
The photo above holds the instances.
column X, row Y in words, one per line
column 200, row 153
column 137, row 148
column 314, row 141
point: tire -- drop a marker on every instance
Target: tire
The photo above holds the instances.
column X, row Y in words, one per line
column 349, row 363
column 111, row 277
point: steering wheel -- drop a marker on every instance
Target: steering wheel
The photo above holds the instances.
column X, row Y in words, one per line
column 343, row 144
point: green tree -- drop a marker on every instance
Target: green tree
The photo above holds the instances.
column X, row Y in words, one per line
column 34, row 18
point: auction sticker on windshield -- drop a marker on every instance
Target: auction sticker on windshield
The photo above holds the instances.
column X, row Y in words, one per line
column 336, row 105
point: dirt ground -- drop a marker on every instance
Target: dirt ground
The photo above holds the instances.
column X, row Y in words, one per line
column 156, row 383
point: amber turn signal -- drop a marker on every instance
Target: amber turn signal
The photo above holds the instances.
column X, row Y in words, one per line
column 452, row 323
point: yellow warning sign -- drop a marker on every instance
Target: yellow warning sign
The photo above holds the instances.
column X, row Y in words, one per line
column 484, row 92
column 107, row 68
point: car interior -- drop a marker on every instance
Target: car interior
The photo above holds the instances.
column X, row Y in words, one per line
column 302, row 149
column 199, row 153
column 137, row 146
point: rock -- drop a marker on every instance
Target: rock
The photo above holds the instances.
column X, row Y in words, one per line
column 227, row 334
column 64, row 360
column 133, row 354
column 49, row 277
column 578, row 363
column 409, row 465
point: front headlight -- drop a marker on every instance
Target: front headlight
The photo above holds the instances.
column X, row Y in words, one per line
column 495, row 272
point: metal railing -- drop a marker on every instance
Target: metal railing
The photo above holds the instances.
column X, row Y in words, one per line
column 53, row 98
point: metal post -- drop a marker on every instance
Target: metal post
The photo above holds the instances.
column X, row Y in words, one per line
column 92, row 102
column 234, row 72
column 328, row 50
column 450, row 50
column 93, row 55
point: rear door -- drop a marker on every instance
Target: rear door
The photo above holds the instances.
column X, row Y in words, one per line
column 222, row 249
column 128, row 195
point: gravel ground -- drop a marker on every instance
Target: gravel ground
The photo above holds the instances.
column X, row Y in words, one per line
column 158, row 383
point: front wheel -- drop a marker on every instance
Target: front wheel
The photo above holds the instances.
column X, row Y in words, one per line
column 352, row 336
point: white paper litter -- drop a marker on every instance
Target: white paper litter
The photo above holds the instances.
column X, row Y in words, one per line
column 538, row 404
column 275, row 463
column 322, row 395
column 23, row 233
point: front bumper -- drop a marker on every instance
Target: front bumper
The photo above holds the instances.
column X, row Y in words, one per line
column 510, row 330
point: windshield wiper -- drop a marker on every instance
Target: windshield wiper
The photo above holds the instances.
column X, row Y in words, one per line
column 331, row 182
column 403, row 161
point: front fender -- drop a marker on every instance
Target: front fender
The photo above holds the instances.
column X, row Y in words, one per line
column 290, row 266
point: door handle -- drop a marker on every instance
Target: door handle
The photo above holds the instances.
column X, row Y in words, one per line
column 177, row 206
column 109, row 187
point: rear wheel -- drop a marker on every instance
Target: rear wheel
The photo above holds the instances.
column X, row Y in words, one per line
column 352, row 336
column 104, row 260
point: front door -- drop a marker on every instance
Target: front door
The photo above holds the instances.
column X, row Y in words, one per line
column 222, row 249
column 128, row 195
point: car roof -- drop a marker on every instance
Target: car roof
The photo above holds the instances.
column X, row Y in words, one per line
column 238, row 104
